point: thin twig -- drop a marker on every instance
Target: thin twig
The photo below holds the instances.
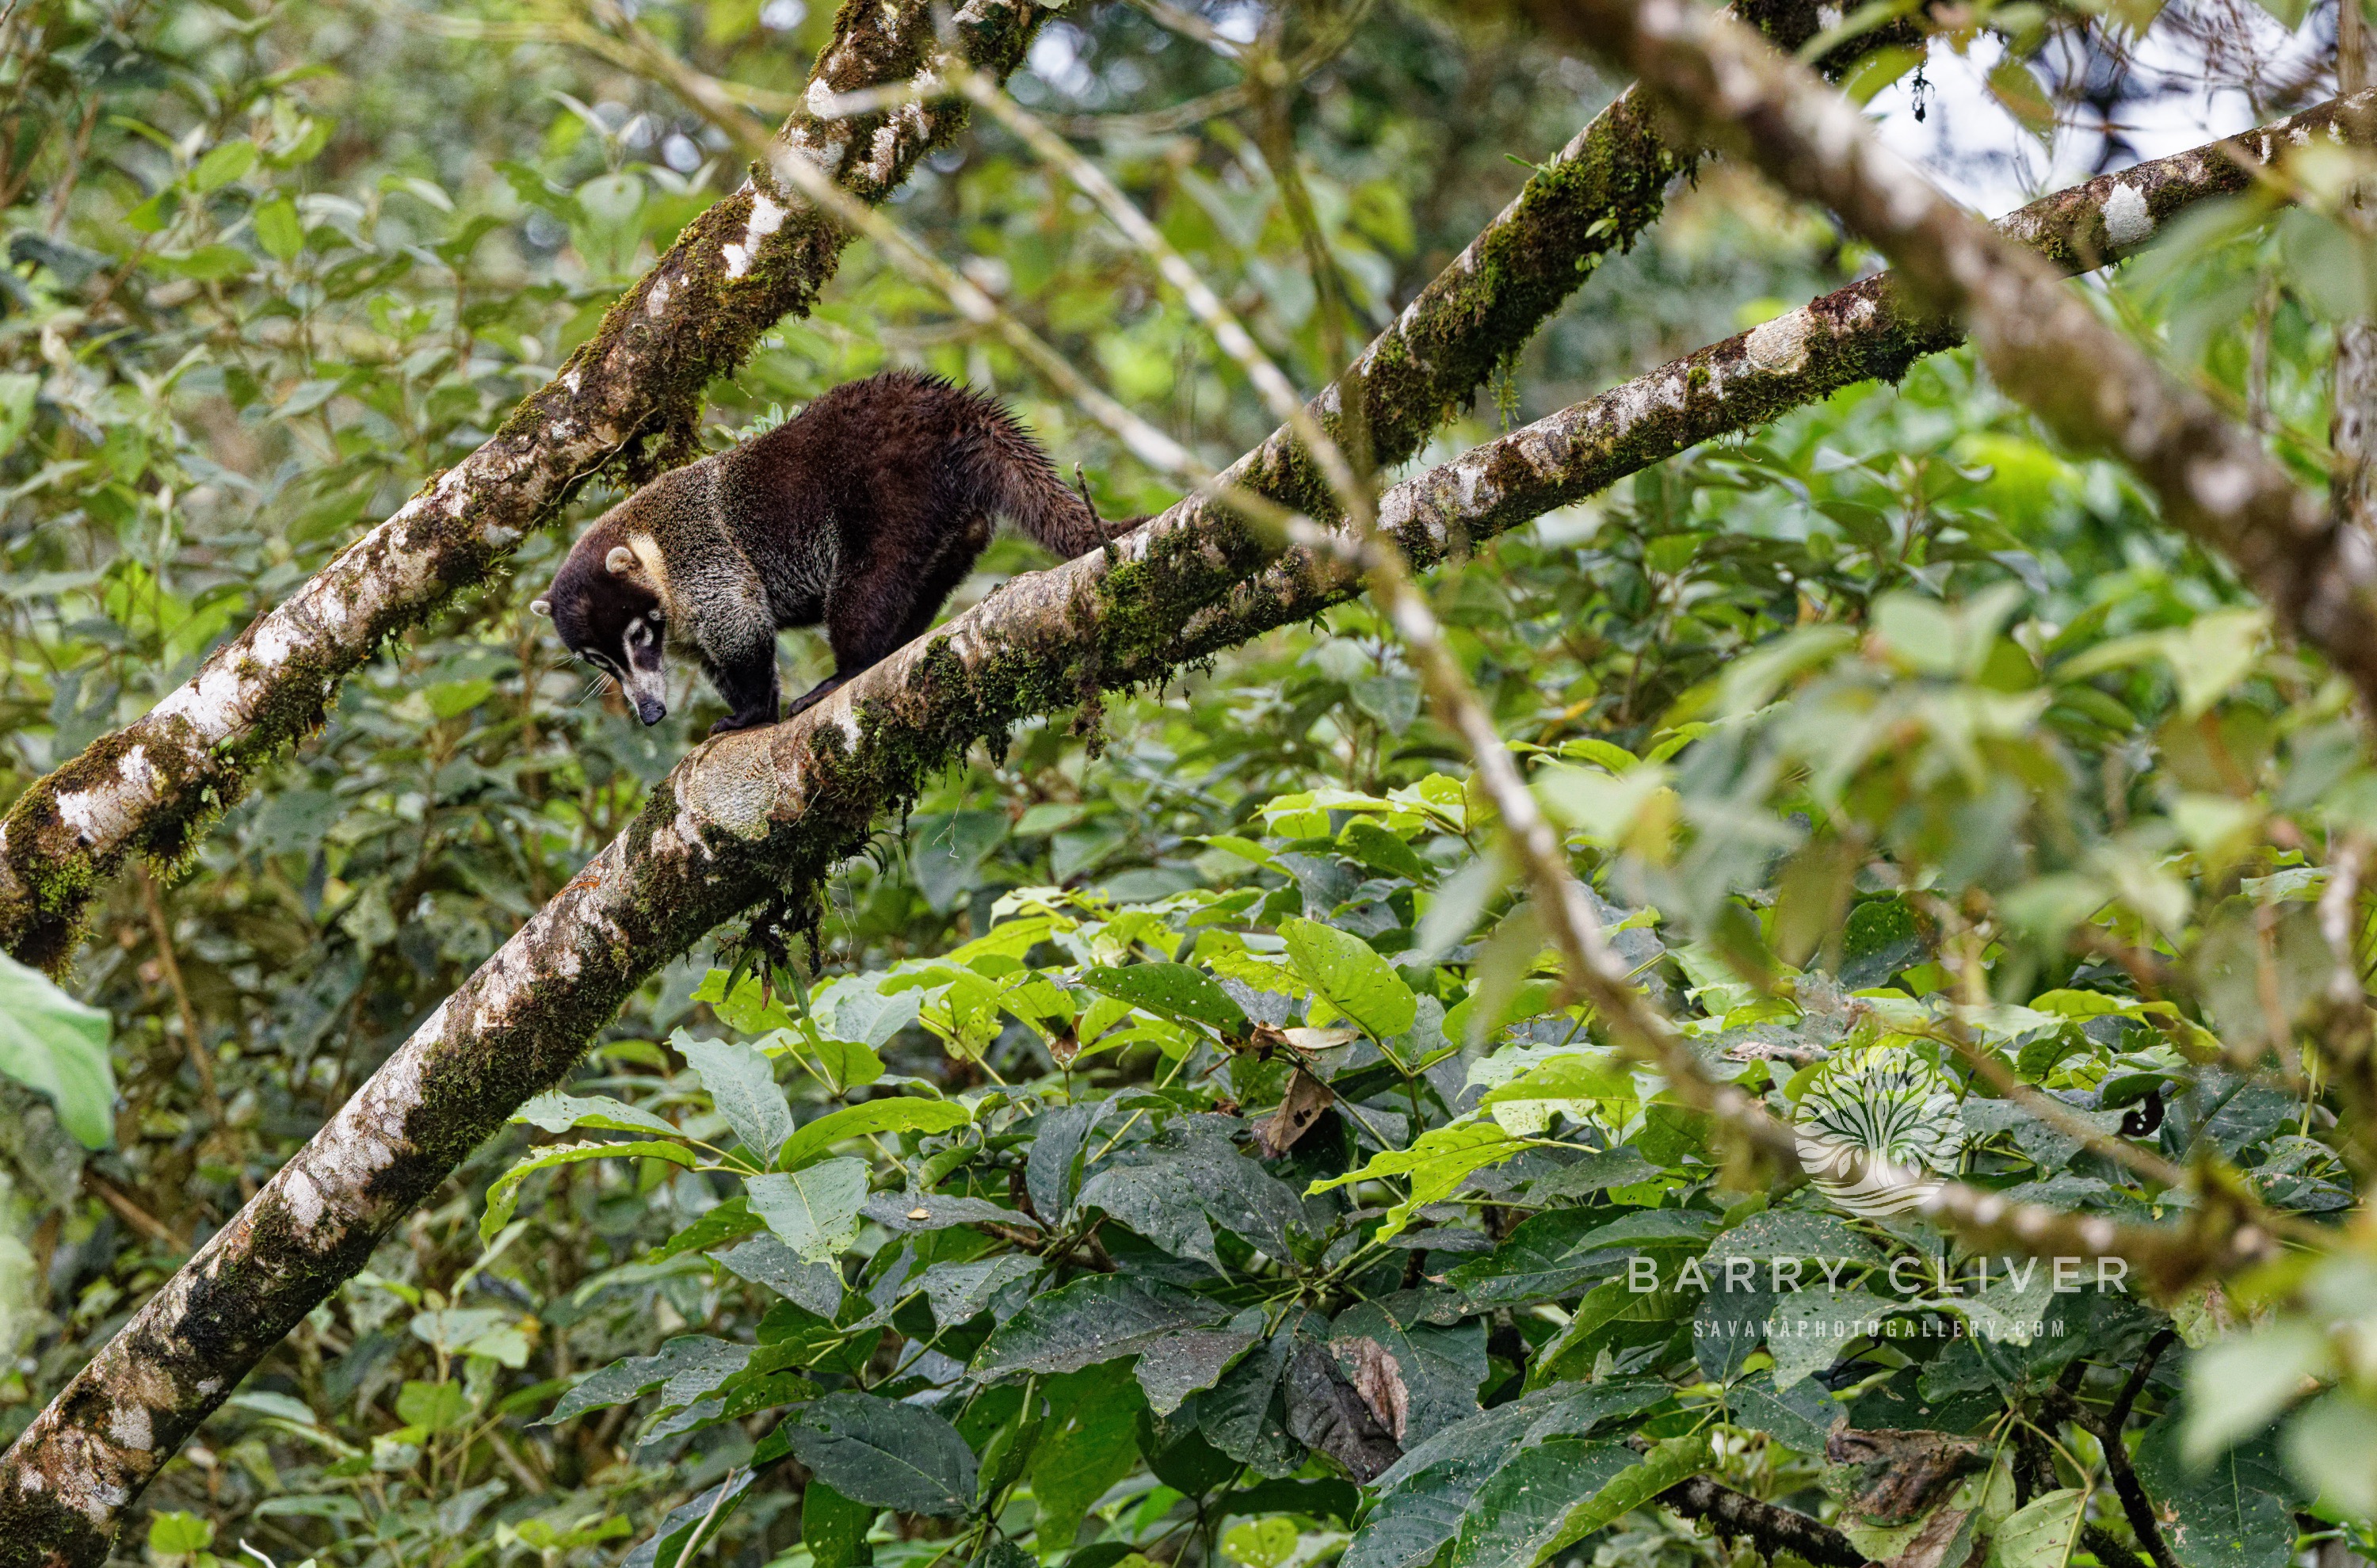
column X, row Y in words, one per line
column 194, row 1039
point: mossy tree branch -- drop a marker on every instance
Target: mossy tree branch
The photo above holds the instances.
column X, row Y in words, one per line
column 634, row 388
column 749, row 814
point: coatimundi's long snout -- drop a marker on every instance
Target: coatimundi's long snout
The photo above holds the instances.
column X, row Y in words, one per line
column 648, row 692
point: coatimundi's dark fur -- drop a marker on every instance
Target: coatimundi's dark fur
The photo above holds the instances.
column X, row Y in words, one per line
column 861, row 514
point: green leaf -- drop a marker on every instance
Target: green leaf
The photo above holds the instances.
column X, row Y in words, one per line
column 749, row 1009
column 1355, row 980
column 208, row 264
column 1096, row 1445
column 52, row 1043
column 1810, row 1325
column 278, row 229
column 433, row 1406
column 1436, row 1164
column 1425, row 1498
column 504, row 1196
column 1094, row 1319
column 729, row 1221
column 905, row 1114
column 684, row 1370
column 833, row 1526
column 679, row 1539
column 1562, row 1491
column 814, row 1212
column 1552, row 1255
column 742, row 1084
column 1178, row 1185
column 178, row 1534
column 556, row 1112
column 2236, row 1385
column 763, row 1260
column 1178, row 991
column 1260, row 1543
column 2041, row 1533
column 859, row 1016
column 879, row 1451
column 220, row 166
column 2230, row 1514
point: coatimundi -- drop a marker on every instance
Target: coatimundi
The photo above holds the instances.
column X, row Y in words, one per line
column 861, row 514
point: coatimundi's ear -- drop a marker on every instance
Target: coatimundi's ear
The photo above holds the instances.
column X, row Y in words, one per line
column 540, row 607
column 620, row 561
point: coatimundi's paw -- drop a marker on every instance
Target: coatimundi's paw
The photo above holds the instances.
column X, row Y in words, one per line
column 733, row 722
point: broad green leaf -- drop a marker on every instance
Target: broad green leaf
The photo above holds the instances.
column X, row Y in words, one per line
column 1563, row 1489
column 2042, row 1533
column 1178, row 1187
column 178, row 1534
column 764, row 1260
column 958, row 1291
column 1554, row 1254
column 1094, row 1319
column 2230, row 1514
column 742, row 1084
column 1260, row 1543
column 1438, row 1367
column 682, row 1370
column 904, row 1114
column 1095, row 1445
column 2234, row 1512
column 504, row 1196
column 1350, row 976
column 1794, row 1234
column 1810, row 1325
column 222, row 165
column 833, row 1526
column 1434, row 1164
column 687, row 1526
column 729, row 1221
column 860, row 1016
column 814, row 1212
column 557, row 1112
column 208, row 263
column 52, row 1043
column 879, row 1451
column 433, row 1406
column 750, row 1008
column 1178, row 991
column 278, row 229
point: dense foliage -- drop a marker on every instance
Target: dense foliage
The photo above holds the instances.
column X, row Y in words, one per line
column 1178, row 1142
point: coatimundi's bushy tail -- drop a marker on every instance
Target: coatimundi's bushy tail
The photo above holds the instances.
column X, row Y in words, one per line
column 1025, row 489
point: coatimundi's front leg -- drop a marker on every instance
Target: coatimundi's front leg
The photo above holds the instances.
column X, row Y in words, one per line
column 736, row 643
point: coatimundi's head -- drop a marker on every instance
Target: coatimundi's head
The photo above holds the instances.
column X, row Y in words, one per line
column 605, row 604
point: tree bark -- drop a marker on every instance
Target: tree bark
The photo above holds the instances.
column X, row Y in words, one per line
column 749, row 814
column 157, row 785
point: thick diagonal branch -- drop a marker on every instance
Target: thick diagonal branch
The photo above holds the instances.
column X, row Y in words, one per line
column 153, row 787
column 749, row 814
